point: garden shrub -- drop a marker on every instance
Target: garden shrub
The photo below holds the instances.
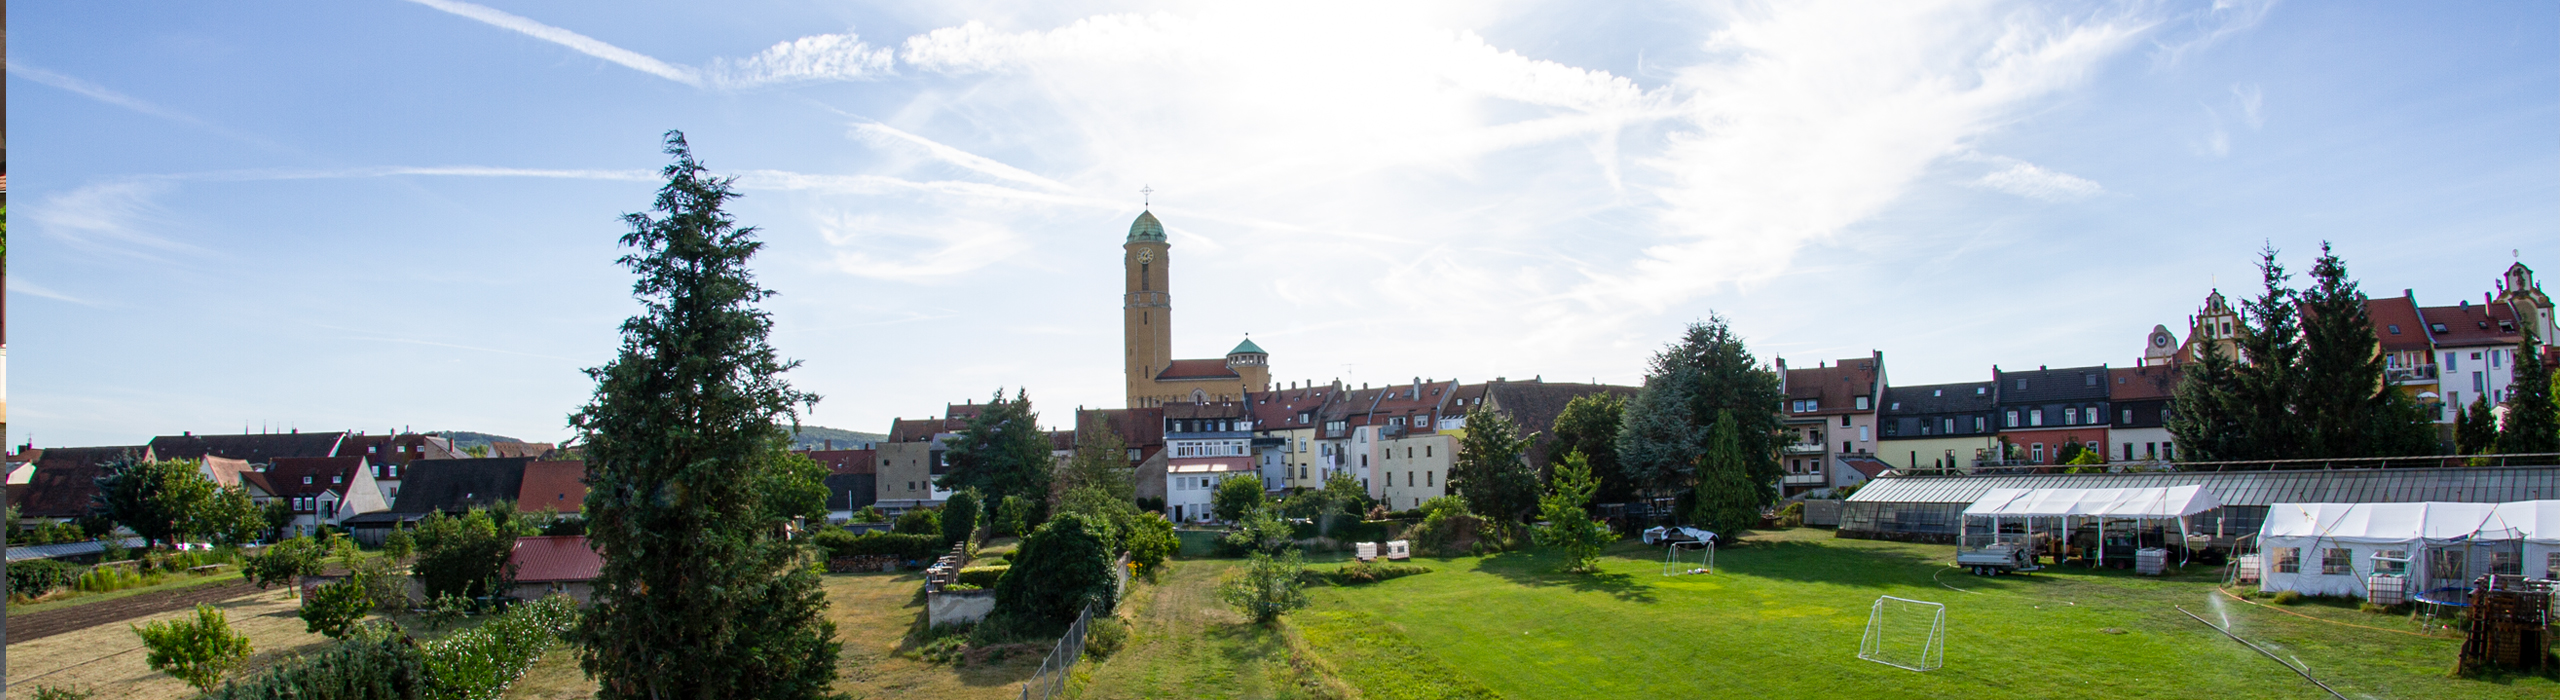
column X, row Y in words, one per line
column 1792, row 515
column 1268, row 587
column 1062, row 567
column 479, row 663
column 199, row 651
column 983, row 576
column 960, row 518
column 1360, row 572
column 2288, row 597
column 333, row 609
column 35, row 577
column 1447, row 528
column 284, row 561
column 48, row 692
column 869, row 514
column 1105, row 636
column 833, row 541
column 1261, row 531
column 921, row 521
column 375, row 664
column 102, row 579
column 1150, row 541
column 466, row 556
column 904, row 547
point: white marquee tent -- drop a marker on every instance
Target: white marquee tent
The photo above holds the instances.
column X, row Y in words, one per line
column 2170, row 503
column 2335, row 548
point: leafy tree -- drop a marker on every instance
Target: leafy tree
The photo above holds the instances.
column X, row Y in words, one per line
column 276, row 515
column 1059, row 569
column 1116, row 517
column 1728, row 503
column 1491, row 471
column 1269, row 586
column 2533, row 422
column 795, row 486
column 334, row 609
column 160, row 500
column 1101, row 461
column 1236, row 497
column 399, row 544
column 1003, row 452
column 698, row 596
column 466, row 556
column 1259, row 531
column 960, row 517
column 1150, row 541
column 284, row 561
column 1013, row 516
column 2402, row 426
column 199, row 651
column 870, row 514
column 1447, row 527
column 2476, row 431
column 1569, row 526
column 1589, row 424
column 231, row 518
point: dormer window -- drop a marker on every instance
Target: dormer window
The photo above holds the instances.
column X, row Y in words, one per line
column 1937, row 392
column 2437, row 327
column 1979, row 390
column 306, row 480
column 2395, row 329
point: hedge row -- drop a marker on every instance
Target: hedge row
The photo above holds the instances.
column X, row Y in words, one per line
column 983, row 576
column 472, row 664
column 905, row 547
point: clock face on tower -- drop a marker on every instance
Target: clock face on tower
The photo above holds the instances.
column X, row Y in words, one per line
column 2160, row 340
column 1145, row 255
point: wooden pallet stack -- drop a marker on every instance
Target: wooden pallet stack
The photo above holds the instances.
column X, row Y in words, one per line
column 2510, row 620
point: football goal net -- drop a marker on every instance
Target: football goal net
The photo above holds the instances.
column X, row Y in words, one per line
column 1905, row 633
column 1697, row 557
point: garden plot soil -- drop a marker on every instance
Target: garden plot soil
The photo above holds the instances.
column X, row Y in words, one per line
column 107, row 658
column 28, row 627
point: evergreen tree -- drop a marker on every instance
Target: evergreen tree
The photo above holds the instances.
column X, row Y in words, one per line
column 1566, row 509
column 2531, row 425
column 2340, row 386
column 1706, row 378
column 2476, row 431
column 2271, row 345
column 1492, row 472
column 960, row 517
column 1589, row 424
column 1003, row 452
column 1060, row 568
column 698, row 597
column 1728, row 502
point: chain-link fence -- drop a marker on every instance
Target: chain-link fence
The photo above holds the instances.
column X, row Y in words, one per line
column 1052, row 677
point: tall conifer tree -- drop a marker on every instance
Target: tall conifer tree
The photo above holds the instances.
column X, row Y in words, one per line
column 1003, row 452
column 1492, row 471
column 1706, row 378
column 699, row 597
column 2341, row 381
column 2531, row 425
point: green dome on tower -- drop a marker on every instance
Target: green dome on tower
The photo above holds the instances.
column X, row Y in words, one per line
column 1146, row 229
column 1247, row 348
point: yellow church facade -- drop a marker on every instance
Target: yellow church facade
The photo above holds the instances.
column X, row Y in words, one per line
column 1155, row 377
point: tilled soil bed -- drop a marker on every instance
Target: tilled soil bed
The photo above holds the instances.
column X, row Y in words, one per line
column 27, row 627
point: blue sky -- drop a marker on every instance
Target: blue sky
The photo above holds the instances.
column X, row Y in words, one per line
column 378, row 214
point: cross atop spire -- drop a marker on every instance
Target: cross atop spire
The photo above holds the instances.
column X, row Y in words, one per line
column 1146, row 196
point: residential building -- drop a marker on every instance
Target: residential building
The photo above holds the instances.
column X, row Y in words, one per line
column 1141, row 432
column 1208, row 443
column 449, row 486
column 66, row 480
column 1413, row 464
column 2408, row 349
column 1832, row 411
column 558, row 486
column 1532, row 405
column 1937, row 426
column 1154, row 377
column 1284, row 432
column 260, row 449
column 554, row 564
column 2138, row 400
column 910, row 460
column 2042, row 410
column 852, row 479
column 2475, row 347
column 2215, row 326
column 325, row 490
column 389, row 454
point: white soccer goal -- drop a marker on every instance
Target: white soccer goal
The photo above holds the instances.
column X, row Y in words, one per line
column 1696, row 557
column 1905, row 633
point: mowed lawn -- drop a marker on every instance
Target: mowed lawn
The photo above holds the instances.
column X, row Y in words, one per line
column 1784, row 613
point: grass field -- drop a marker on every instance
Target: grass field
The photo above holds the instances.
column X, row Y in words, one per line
column 1784, row 614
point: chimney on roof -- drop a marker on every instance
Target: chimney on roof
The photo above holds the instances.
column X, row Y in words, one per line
column 2409, row 294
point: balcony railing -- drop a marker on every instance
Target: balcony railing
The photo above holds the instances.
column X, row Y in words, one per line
column 1805, row 448
column 1804, row 479
column 2410, row 375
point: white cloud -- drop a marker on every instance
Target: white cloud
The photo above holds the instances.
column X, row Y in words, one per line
column 2203, row 29
column 117, row 218
column 2250, row 99
column 870, row 245
column 883, row 134
column 102, row 94
column 2027, row 180
column 808, row 58
column 19, row 284
column 580, row 43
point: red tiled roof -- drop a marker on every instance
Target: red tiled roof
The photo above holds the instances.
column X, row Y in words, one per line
column 1214, row 409
column 846, row 461
column 1140, row 428
column 225, row 471
column 2142, row 383
column 962, row 411
column 2390, row 314
column 915, row 430
column 1869, row 466
column 1833, row 388
column 1197, row 369
column 1062, row 440
column 287, row 474
column 534, row 450
column 1273, row 410
column 558, row 486
column 2472, row 325
column 552, row 559
column 66, row 479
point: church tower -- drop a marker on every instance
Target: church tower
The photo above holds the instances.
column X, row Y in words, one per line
column 1146, row 308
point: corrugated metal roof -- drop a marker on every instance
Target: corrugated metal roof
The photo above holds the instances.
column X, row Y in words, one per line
column 72, row 549
column 2455, row 485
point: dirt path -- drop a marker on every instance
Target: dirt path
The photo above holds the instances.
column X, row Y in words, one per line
column 107, row 658
column 28, row 627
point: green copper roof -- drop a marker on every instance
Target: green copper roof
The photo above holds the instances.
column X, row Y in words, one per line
column 1146, row 229
column 1247, row 347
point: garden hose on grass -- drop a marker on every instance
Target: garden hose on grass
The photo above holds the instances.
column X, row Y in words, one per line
column 2306, row 675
